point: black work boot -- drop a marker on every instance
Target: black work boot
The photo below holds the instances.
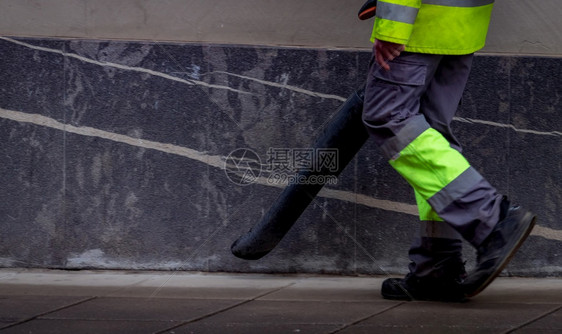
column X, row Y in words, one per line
column 446, row 288
column 497, row 250
column 436, row 272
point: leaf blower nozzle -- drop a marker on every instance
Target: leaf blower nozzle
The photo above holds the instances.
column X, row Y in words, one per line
column 368, row 10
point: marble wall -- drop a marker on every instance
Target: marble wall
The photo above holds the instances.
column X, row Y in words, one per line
column 114, row 155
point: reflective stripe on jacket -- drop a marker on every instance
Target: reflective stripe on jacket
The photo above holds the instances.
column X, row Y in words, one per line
column 434, row 26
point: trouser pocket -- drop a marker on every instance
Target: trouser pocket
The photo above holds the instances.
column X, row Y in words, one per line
column 392, row 96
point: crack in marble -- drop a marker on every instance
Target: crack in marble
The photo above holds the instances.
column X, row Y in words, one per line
column 508, row 126
column 547, row 233
column 18, row 116
column 124, row 67
column 219, row 162
column 282, row 86
column 342, row 99
column 265, row 82
column 210, row 160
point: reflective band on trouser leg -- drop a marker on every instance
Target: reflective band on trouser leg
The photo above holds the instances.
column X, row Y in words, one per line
column 429, row 163
column 455, row 189
column 426, row 211
column 431, row 225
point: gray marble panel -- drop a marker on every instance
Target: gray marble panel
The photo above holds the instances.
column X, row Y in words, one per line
column 114, row 155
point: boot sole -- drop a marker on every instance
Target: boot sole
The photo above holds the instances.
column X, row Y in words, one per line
column 527, row 230
column 405, row 295
column 428, row 299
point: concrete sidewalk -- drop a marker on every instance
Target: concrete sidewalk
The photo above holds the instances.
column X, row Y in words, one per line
column 42, row 301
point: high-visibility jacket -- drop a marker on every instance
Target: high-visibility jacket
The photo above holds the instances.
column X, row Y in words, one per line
column 451, row 27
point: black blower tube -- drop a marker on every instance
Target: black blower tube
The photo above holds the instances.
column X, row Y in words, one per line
column 346, row 133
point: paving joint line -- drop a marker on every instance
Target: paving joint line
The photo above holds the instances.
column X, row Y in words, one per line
column 21, row 322
column 205, row 316
column 112, row 293
column 544, row 315
column 346, row 326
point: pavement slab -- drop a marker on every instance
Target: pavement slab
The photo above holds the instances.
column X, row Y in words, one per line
column 143, row 309
column 15, row 309
column 45, row 301
column 63, row 326
column 523, row 290
column 293, row 315
column 470, row 317
column 548, row 324
column 330, row 289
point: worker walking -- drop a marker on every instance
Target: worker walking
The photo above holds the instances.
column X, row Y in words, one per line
column 422, row 55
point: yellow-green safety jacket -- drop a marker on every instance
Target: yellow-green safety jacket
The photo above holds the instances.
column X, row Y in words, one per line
column 449, row 27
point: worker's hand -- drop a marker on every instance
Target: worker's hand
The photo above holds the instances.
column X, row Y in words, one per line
column 386, row 51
